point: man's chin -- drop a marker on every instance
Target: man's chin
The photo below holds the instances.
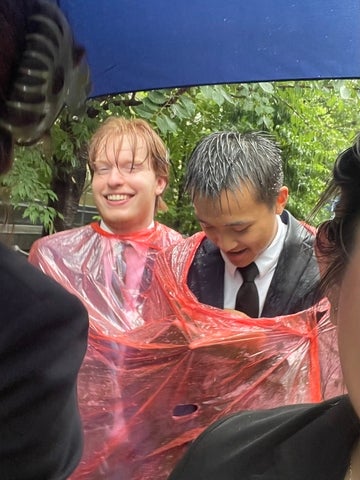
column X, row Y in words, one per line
column 239, row 259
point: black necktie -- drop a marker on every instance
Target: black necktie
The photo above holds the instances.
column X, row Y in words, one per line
column 247, row 297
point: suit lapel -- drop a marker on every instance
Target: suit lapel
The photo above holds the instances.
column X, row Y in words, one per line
column 206, row 275
column 294, row 259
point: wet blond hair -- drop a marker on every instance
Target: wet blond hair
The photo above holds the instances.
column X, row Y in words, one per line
column 113, row 130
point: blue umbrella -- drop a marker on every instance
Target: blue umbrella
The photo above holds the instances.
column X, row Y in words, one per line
column 150, row 44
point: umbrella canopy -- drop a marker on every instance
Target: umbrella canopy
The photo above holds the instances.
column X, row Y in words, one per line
column 142, row 44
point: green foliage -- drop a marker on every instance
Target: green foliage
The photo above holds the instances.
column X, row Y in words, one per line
column 311, row 121
column 319, row 123
column 28, row 182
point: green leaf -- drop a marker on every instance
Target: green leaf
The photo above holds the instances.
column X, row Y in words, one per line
column 345, row 92
column 222, row 91
column 162, row 125
column 218, row 97
column 143, row 112
column 157, row 97
column 165, row 124
column 149, row 105
column 267, row 87
column 188, row 104
column 207, row 91
column 179, row 110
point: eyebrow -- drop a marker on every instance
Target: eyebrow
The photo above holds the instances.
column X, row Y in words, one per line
column 232, row 224
column 97, row 162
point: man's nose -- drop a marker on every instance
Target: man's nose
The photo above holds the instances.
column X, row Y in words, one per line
column 225, row 242
column 116, row 176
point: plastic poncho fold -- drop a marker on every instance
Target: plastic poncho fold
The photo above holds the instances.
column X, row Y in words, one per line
column 89, row 262
column 146, row 393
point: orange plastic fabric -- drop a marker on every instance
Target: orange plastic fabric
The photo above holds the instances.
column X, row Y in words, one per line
column 145, row 393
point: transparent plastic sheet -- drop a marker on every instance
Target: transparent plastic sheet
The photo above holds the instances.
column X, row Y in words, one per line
column 145, row 393
column 89, row 262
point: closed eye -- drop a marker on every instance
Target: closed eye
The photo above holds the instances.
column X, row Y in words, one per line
column 242, row 230
column 131, row 167
column 101, row 169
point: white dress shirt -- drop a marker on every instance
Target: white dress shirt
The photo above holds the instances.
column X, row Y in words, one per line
column 266, row 263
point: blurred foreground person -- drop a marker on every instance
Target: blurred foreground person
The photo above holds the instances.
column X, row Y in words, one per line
column 303, row 442
column 43, row 328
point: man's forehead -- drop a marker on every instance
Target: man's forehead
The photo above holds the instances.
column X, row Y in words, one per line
column 112, row 146
column 222, row 220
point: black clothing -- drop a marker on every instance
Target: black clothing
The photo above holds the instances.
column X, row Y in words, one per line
column 247, row 297
column 293, row 286
column 42, row 344
column 297, row 442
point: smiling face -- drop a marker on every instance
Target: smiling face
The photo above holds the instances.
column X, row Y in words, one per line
column 239, row 225
column 125, row 186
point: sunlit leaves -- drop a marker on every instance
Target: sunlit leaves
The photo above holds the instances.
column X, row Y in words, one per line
column 267, row 87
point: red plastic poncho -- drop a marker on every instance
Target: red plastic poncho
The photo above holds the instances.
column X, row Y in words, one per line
column 145, row 393
column 90, row 263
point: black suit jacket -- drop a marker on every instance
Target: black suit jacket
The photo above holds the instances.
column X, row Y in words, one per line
column 298, row 442
column 42, row 344
column 293, row 286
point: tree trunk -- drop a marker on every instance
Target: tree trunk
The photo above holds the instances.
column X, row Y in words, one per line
column 68, row 184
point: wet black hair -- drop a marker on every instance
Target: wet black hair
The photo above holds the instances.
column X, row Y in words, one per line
column 336, row 237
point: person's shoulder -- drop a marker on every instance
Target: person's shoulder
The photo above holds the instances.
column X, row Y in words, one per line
column 276, row 417
column 59, row 237
column 25, row 286
column 229, row 444
column 249, row 422
column 67, row 244
column 299, row 226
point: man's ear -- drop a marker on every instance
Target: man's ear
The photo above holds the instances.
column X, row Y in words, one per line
column 281, row 200
column 161, row 183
